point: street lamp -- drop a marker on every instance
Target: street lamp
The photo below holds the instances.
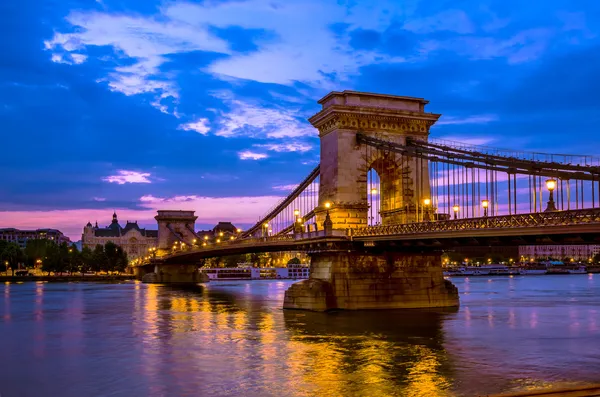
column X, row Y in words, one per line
column 327, row 224
column 239, row 230
column 426, row 204
column 551, row 185
column 485, row 204
column 296, row 213
column 455, row 208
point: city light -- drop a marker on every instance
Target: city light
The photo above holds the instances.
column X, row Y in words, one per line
column 455, row 208
column 485, row 203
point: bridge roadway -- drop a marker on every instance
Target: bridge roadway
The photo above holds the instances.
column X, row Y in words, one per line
column 560, row 227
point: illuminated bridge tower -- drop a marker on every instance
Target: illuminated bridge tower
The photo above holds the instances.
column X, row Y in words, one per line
column 345, row 163
column 371, row 278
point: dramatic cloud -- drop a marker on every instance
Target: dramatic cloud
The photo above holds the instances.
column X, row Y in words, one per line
column 481, row 119
column 244, row 119
column 146, row 40
column 200, row 126
column 248, row 155
column 286, row 147
column 285, row 188
column 124, row 177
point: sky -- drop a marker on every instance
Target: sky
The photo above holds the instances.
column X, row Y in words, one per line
column 139, row 105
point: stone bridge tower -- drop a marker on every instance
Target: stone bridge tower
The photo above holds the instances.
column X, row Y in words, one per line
column 175, row 226
column 345, row 163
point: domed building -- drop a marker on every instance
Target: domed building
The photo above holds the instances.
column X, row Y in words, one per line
column 133, row 239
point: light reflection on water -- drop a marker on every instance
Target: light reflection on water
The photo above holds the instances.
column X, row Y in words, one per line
column 233, row 338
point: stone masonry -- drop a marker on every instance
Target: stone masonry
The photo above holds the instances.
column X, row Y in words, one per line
column 351, row 281
column 175, row 226
column 345, row 164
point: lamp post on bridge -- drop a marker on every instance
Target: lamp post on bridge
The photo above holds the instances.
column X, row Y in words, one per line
column 455, row 208
column 551, row 185
column 298, row 227
column 328, row 224
column 426, row 204
column 485, row 204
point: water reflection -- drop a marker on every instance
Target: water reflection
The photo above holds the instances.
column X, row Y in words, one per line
column 233, row 339
column 370, row 353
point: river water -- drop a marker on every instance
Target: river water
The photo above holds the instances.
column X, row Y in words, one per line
column 233, row 339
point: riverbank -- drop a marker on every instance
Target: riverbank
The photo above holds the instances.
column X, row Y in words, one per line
column 68, row 278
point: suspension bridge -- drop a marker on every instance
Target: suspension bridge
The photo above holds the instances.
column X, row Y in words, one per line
column 385, row 200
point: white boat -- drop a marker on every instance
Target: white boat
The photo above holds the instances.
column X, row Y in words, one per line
column 231, row 273
column 293, row 271
column 567, row 269
column 483, row 270
column 534, row 269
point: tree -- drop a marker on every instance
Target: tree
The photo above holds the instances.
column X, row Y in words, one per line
column 74, row 259
column 11, row 256
column 85, row 257
column 57, row 258
column 99, row 260
column 36, row 250
column 294, row 261
column 116, row 258
column 233, row 260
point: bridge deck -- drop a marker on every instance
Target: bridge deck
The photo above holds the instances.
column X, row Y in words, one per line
column 573, row 227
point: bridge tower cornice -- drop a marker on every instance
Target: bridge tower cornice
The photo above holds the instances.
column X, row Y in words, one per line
column 356, row 111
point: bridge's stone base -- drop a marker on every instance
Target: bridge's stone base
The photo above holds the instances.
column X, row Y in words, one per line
column 355, row 281
column 175, row 274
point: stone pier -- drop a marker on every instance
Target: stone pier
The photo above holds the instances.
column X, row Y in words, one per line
column 353, row 281
column 174, row 274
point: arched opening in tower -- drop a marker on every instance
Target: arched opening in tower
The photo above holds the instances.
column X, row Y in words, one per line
column 374, row 197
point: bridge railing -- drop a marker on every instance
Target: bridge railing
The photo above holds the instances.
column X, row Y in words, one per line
column 256, row 241
column 538, row 219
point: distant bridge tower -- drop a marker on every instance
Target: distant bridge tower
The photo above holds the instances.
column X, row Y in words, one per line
column 175, row 226
column 345, row 163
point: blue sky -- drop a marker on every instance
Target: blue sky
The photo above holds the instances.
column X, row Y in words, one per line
column 139, row 105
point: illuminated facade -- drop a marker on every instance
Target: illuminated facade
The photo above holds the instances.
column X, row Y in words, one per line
column 541, row 252
column 134, row 240
column 21, row 237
